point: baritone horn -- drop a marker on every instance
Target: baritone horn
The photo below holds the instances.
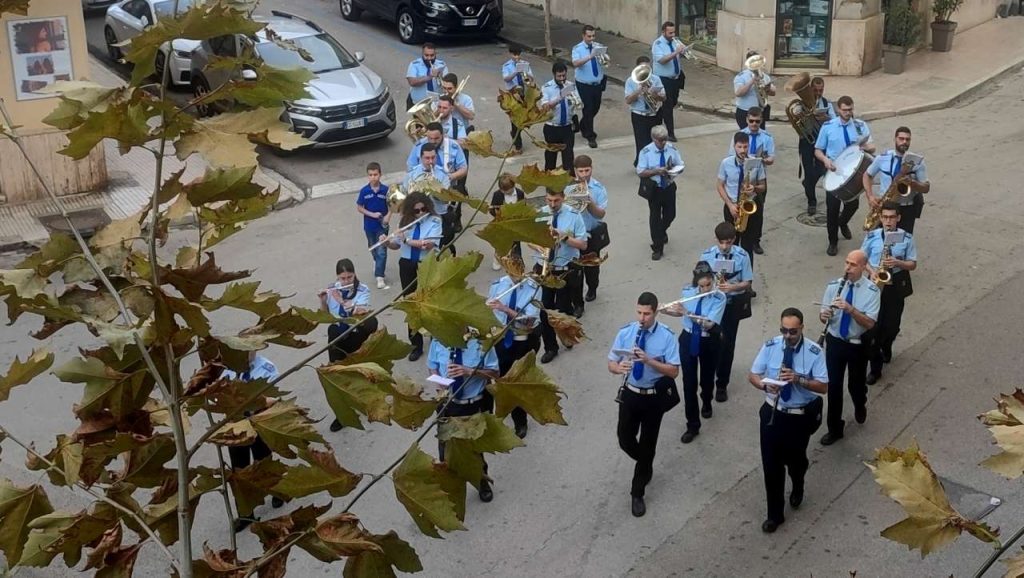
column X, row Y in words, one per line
column 421, row 114
column 801, row 111
column 755, row 62
column 642, row 76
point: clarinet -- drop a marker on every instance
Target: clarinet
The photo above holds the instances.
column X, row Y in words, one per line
column 625, row 378
column 824, row 330
column 775, row 404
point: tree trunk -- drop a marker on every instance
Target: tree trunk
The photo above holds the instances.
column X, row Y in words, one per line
column 547, row 29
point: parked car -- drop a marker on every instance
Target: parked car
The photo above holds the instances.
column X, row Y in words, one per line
column 90, row 5
column 418, row 18
column 128, row 18
column 347, row 101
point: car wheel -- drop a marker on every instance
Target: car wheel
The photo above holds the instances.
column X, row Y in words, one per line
column 201, row 88
column 408, row 29
column 112, row 51
column 349, row 11
column 158, row 64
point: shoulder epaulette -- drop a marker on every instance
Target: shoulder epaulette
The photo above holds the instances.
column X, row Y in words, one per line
column 770, row 342
column 834, row 282
column 813, row 347
column 873, row 287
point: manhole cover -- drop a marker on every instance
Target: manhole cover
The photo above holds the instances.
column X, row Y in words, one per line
column 818, row 219
column 87, row 222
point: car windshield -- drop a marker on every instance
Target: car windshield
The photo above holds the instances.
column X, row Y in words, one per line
column 325, row 51
column 166, row 7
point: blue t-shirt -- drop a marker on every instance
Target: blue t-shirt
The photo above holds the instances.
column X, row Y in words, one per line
column 376, row 202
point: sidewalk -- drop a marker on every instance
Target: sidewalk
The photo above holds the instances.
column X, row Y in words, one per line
column 932, row 80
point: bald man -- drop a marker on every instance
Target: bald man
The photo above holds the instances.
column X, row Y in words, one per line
column 849, row 310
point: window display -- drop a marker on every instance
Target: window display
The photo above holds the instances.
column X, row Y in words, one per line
column 802, row 33
column 697, row 23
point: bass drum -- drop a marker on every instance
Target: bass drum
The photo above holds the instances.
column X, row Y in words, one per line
column 847, row 181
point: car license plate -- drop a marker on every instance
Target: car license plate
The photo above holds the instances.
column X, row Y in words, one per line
column 358, row 123
column 470, row 21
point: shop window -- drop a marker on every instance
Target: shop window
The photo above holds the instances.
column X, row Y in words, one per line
column 802, row 32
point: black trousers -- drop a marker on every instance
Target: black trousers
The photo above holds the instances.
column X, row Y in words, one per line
column 890, row 317
column 591, row 276
column 559, row 135
column 517, row 137
column 784, row 447
column 453, row 409
column 730, row 328
column 638, row 428
column 508, row 356
column 752, row 234
column 839, row 213
column 668, row 108
column 813, row 171
column 240, row 455
column 662, row 211
column 642, row 125
column 407, row 269
column 910, row 213
column 842, row 357
column 741, row 117
column 698, row 369
column 560, row 300
column 590, row 95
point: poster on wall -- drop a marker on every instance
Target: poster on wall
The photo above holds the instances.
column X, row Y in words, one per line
column 40, row 55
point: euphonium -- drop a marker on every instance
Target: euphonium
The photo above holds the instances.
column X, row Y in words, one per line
column 900, row 187
column 745, row 205
column 642, row 76
column 883, row 276
column 421, row 114
column 755, row 63
column 802, row 111
column 577, row 196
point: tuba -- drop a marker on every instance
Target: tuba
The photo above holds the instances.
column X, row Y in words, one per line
column 801, row 110
column 755, row 62
column 642, row 76
column 745, row 204
column 421, row 114
column 899, row 188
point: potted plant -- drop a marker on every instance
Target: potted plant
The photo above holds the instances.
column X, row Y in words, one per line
column 902, row 31
column 943, row 29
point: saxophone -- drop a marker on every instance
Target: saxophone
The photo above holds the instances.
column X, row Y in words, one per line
column 745, row 205
column 883, row 276
column 899, row 188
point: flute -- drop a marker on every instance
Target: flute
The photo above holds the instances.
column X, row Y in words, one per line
column 688, row 299
column 839, row 294
column 394, row 235
column 337, row 285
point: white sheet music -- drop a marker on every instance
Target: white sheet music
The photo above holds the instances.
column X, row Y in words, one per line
column 522, row 67
column 600, row 51
column 442, row 381
column 724, row 266
column 894, row 237
column 567, row 89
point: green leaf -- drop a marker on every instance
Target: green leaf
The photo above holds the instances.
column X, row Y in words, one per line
column 408, row 407
column 524, row 109
column 531, row 178
column 229, row 140
column 77, row 99
column 67, row 456
column 516, row 222
column 126, row 122
column 274, row 532
column 251, row 485
column 244, row 296
column 396, row 553
column 162, row 517
column 223, row 184
column 106, row 389
column 481, row 143
column 382, row 348
column 322, row 474
column 272, row 87
column 285, row 327
column 192, row 282
column 443, row 304
column 468, row 438
column 356, row 389
column 64, row 533
column 119, row 336
column 144, row 465
column 18, row 508
column 24, row 283
column 238, row 212
column 342, row 535
column 283, row 425
column 117, row 232
column 418, row 488
column 527, row 386
column 52, row 255
column 21, row 373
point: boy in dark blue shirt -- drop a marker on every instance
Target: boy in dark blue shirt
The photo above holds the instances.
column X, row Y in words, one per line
column 372, row 203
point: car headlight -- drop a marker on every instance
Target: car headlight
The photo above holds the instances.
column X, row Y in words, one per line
column 384, row 96
column 305, row 110
column 184, row 54
column 436, row 6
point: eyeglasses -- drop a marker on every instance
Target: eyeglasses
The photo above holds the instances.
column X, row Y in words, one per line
column 793, row 331
column 753, row 121
column 419, row 210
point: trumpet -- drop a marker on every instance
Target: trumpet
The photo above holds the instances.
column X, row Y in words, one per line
column 421, row 114
column 604, row 59
column 642, row 76
column 625, row 377
column 687, row 54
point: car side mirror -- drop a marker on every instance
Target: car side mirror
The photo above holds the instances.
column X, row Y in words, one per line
column 145, row 21
column 249, row 74
column 360, row 55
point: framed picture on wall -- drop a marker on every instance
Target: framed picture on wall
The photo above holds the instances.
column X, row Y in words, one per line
column 40, row 55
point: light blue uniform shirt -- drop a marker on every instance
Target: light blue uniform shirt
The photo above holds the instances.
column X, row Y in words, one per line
column 450, row 155
column 439, row 356
column 259, row 368
column 712, row 307
column 463, row 100
column 874, row 240
column 599, row 195
column 887, row 165
column 730, row 172
column 661, row 344
column 361, row 298
column 867, row 298
column 639, row 106
column 808, row 362
column 742, row 270
column 585, row 73
column 440, row 207
column 509, row 68
column 418, row 68
column 836, row 136
column 526, row 296
column 650, row 158
column 430, row 228
column 562, row 112
column 762, row 140
column 568, row 220
column 660, row 48
column 453, row 128
column 750, row 98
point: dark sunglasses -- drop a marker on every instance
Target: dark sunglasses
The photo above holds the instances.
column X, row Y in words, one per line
column 754, row 120
column 419, row 210
column 785, row 331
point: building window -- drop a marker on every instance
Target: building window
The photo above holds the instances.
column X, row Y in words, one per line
column 697, row 22
column 802, row 31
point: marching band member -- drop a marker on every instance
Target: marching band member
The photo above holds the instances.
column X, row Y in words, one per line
column 735, row 274
column 762, row 145
column 836, row 135
column 890, row 166
column 642, row 116
column 812, row 168
column 506, row 194
column 429, row 153
column 667, row 53
column 699, row 342
column 450, row 124
column 648, row 389
column 414, row 246
column 731, row 179
column 558, row 130
column 518, row 307
column 745, row 89
column 847, row 318
column 654, row 163
column 516, row 72
column 347, row 297
column 900, row 261
column 790, row 414
column 450, row 156
column 462, row 104
column 470, row 368
column 424, row 75
column 566, row 226
column 590, row 82
column 597, row 229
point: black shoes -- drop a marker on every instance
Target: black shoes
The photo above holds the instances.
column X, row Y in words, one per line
column 548, row 356
column 521, row 430
column 721, row 395
column 689, row 436
column 705, row 412
column 243, row 523
column 830, row 438
column 758, row 249
column 672, row 138
column 886, row 354
column 336, row 425
column 860, row 413
column 577, row 311
column 770, row 526
column 657, row 255
column 872, row 378
column 832, row 250
column 753, row 294
column 845, row 230
column 592, row 143
column 415, row 354
column 276, row 502
column 812, row 209
column 486, row 493
column 639, row 507
column 796, row 498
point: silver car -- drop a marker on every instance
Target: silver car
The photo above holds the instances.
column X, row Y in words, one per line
column 89, row 5
column 129, row 18
column 347, row 103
